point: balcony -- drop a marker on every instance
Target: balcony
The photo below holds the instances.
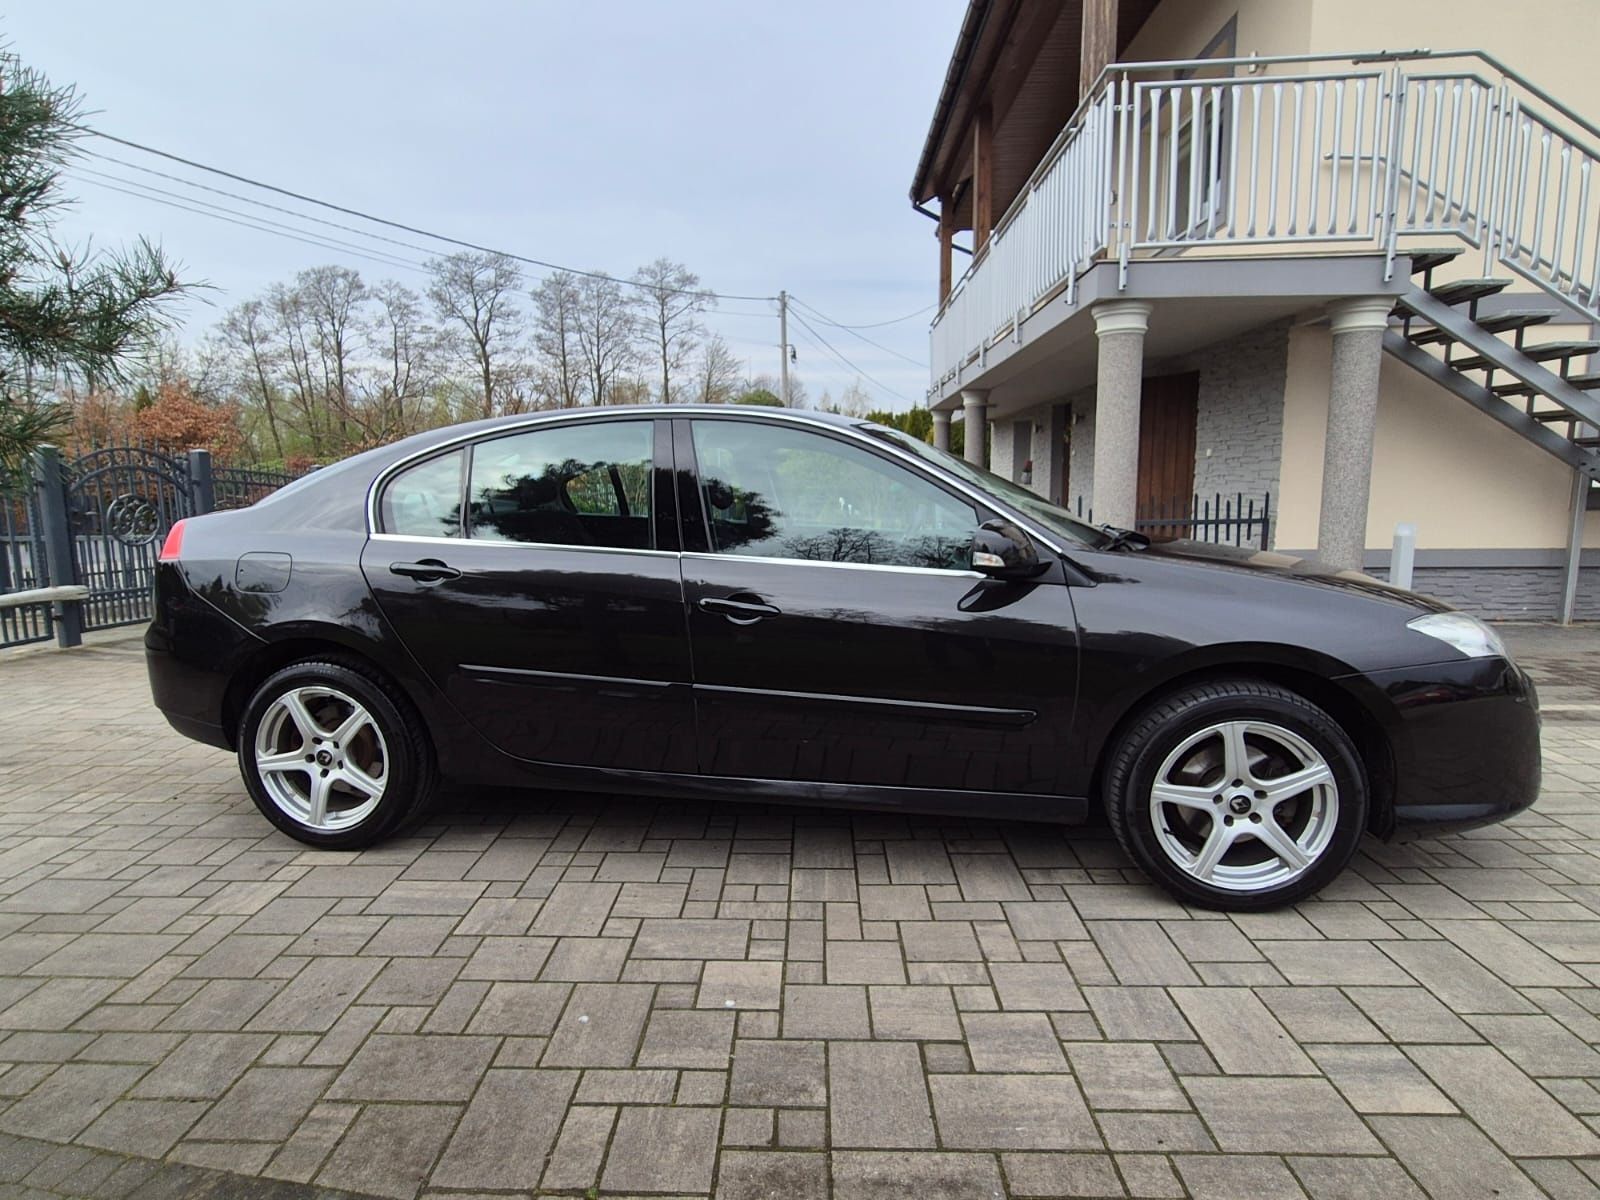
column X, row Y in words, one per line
column 1297, row 157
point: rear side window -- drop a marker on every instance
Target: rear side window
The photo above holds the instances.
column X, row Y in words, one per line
column 425, row 500
column 574, row 485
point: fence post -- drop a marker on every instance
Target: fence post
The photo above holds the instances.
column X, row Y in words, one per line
column 202, row 484
column 52, row 491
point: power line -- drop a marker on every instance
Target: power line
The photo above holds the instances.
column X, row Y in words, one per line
column 847, row 363
column 278, row 208
column 265, row 224
column 878, row 324
column 878, row 345
column 412, row 229
column 217, row 216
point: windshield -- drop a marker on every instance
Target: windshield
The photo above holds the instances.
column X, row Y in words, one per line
column 1051, row 516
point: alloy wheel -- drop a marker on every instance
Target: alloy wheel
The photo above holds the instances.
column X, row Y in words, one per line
column 321, row 757
column 1244, row 806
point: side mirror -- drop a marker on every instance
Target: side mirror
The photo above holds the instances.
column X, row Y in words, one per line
column 1002, row 551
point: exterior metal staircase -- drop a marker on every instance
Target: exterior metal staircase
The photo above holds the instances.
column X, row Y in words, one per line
column 1545, row 391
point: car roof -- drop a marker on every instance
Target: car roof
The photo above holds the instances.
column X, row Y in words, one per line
column 445, row 433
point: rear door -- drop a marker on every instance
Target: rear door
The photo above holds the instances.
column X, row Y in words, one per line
column 534, row 576
column 839, row 635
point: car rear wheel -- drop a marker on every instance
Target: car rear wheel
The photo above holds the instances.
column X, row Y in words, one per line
column 331, row 757
column 1237, row 795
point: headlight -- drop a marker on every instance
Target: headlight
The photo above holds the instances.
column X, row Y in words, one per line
column 1467, row 634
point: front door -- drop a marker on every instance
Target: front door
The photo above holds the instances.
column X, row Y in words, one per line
column 1167, row 408
column 551, row 617
column 840, row 637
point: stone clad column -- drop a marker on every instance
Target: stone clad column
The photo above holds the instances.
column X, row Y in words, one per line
column 941, row 429
column 1120, row 325
column 973, row 403
column 1358, row 327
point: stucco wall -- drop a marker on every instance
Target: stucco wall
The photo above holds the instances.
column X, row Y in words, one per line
column 1464, row 480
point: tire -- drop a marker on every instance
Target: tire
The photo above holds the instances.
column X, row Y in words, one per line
column 374, row 782
column 1214, row 836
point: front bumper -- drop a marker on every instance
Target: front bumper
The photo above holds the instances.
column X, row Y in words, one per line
column 1465, row 736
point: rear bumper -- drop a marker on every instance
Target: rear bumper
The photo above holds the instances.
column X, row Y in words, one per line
column 1466, row 744
column 189, row 650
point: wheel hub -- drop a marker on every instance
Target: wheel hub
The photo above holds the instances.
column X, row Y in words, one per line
column 324, row 758
column 1239, row 805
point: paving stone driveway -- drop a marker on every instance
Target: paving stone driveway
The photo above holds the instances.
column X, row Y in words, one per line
column 572, row 993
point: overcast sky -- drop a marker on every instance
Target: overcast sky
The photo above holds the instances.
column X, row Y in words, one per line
column 767, row 146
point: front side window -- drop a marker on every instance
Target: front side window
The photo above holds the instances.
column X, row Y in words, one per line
column 425, row 500
column 780, row 492
column 571, row 485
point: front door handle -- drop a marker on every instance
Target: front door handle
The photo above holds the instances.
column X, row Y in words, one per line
column 428, row 570
column 740, row 608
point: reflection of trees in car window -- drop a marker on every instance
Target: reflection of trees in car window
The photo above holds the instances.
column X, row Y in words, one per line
column 425, row 500
column 569, row 486
column 790, row 493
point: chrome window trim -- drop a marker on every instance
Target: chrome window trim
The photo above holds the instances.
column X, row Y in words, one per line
column 956, row 572
column 444, row 541
column 689, row 412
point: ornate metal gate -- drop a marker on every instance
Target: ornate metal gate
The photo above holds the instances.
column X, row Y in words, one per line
column 120, row 503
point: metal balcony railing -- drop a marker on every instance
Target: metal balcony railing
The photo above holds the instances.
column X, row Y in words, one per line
column 1310, row 153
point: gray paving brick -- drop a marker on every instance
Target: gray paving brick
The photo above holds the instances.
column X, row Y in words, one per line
column 1513, row 1110
column 663, row 1149
column 507, row 1131
column 778, row 1073
column 1272, row 1115
column 877, row 1096
column 1011, row 1112
column 1453, row 1160
column 600, row 1026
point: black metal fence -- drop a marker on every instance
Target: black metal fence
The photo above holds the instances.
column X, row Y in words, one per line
column 79, row 538
column 1236, row 520
column 240, row 487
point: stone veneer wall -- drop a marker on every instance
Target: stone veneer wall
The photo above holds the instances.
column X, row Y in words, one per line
column 1506, row 593
column 1239, row 424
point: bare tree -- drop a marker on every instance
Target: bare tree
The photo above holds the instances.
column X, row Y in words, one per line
column 475, row 294
column 717, row 372
column 291, row 330
column 331, row 297
column 404, row 349
column 854, row 400
column 608, row 331
column 562, row 377
column 670, row 301
column 247, row 332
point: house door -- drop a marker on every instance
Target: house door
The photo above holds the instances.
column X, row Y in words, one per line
column 1166, row 452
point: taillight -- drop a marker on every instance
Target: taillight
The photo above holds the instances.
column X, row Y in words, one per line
column 173, row 546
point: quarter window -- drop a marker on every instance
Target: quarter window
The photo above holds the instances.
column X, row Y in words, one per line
column 574, row 485
column 780, row 492
column 425, row 500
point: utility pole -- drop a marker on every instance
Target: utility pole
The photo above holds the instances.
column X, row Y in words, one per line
column 783, row 343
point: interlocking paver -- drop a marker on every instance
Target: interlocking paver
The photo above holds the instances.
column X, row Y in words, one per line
column 576, row 992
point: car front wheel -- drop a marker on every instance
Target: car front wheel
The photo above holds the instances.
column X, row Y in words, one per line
column 1237, row 795
column 330, row 757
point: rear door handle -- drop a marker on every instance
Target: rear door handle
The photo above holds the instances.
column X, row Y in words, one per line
column 428, row 570
column 739, row 611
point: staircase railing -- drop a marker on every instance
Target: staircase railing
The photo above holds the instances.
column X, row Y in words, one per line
column 1311, row 153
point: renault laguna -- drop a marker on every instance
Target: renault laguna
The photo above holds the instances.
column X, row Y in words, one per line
column 778, row 606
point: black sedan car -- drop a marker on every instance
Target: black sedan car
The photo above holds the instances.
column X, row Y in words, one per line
column 760, row 604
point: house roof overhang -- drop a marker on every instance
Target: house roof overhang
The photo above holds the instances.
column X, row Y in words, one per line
column 1021, row 59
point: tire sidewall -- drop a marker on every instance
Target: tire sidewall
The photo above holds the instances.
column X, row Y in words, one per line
column 1142, row 757
column 400, row 765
